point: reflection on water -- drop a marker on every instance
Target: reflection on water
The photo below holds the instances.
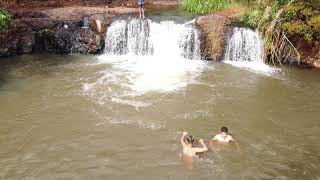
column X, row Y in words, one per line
column 102, row 118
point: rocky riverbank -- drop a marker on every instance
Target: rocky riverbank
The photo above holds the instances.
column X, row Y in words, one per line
column 82, row 29
column 59, row 30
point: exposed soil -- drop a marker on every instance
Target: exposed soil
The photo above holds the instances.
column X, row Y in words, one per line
column 309, row 51
column 70, row 9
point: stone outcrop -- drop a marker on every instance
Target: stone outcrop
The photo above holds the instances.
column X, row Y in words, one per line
column 59, row 30
column 20, row 40
column 216, row 28
column 73, row 37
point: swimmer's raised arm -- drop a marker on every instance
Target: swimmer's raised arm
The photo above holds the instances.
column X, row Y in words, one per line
column 183, row 143
column 204, row 147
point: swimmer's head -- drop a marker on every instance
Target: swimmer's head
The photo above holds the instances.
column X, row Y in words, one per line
column 224, row 130
column 189, row 139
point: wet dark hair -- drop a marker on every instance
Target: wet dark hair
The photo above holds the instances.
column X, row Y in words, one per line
column 189, row 139
column 224, row 129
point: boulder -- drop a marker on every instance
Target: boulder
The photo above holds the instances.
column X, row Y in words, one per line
column 19, row 40
column 216, row 28
column 69, row 40
column 53, row 35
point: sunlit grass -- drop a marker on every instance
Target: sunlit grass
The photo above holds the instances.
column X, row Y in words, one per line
column 204, row 6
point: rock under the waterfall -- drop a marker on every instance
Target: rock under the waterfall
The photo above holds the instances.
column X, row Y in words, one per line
column 216, row 29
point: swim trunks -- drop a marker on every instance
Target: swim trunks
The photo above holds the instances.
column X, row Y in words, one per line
column 141, row 3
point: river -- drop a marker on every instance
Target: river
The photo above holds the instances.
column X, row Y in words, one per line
column 81, row 117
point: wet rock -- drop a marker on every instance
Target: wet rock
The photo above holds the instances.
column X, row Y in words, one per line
column 52, row 35
column 59, row 30
column 99, row 23
column 71, row 40
column 19, row 40
column 216, row 28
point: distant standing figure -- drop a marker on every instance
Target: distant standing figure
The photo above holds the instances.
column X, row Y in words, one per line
column 224, row 137
column 141, row 8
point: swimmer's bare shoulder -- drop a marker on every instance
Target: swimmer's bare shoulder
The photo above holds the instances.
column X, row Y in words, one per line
column 224, row 137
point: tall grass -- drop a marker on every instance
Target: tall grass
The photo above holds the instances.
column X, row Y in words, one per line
column 252, row 17
column 204, row 6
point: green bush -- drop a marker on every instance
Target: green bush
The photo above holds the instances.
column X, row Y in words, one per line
column 5, row 20
column 204, row 6
column 303, row 19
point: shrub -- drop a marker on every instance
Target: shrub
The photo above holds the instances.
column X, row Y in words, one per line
column 5, row 20
column 303, row 19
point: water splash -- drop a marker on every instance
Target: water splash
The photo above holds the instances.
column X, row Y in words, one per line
column 245, row 50
column 150, row 56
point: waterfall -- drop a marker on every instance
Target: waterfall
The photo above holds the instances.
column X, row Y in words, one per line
column 245, row 50
column 244, row 45
column 145, row 37
column 137, row 42
column 116, row 40
column 190, row 42
column 150, row 55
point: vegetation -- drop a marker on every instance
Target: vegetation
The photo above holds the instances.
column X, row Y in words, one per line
column 204, row 6
column 277, row 20
column 303, row 19
column 5, row 20
column 252, row 17
column 300, row 18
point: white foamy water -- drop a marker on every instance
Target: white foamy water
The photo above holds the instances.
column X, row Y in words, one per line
column 245, row 50
column 160, row 39
column 149, row 56
column 150, row 73
column 256, row 67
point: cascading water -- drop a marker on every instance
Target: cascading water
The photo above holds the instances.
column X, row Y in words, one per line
column 244, row 45
column 116, row 40
column 137, row 42
column 190, row 42
column 146, row 56
column 144, row 37
column 245, row 49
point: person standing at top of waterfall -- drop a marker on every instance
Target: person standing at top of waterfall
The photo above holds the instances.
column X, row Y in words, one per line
column 188, row 151
column 141, row 8
column 224, row 138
